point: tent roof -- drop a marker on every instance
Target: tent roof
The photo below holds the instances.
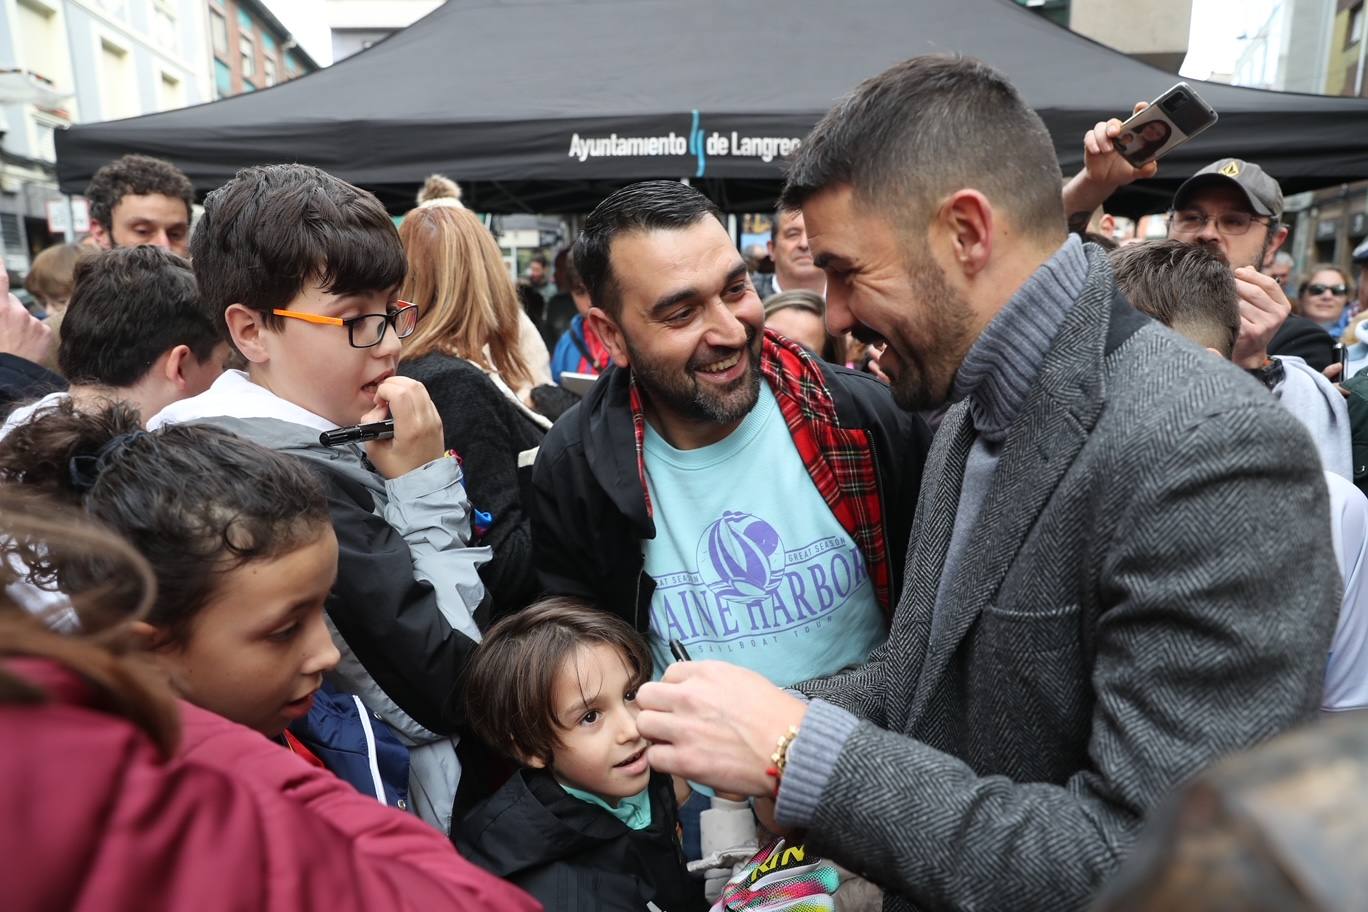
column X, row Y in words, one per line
column 495, row 94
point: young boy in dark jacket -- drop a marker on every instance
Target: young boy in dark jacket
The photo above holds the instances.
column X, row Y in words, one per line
column 585, row 824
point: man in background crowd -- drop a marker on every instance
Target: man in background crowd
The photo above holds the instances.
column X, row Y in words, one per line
column 137, row 200
column 793, row 266
column 1281, row 268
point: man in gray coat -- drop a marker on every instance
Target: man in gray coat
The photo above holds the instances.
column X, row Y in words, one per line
column 1120, row 568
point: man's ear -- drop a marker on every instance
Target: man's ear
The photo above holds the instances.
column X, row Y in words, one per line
column 1273, row 247
column 967, row 219
column 172, row 363
column 247, row 329
column 100, row 234
column 607, row 329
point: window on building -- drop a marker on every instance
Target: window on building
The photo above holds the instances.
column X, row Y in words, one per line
column 44, row 131
column 42, row 44
column 268, row 71
column 118, row 88
column 223, row 79
column 171, row 93
column 218, row 32
column 1355, row 25
column 247, row 50
column 164, row 30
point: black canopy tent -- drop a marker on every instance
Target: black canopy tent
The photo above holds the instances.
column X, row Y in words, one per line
column 545, row 105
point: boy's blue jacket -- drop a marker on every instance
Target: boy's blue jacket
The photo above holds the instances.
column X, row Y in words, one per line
column 356, row 745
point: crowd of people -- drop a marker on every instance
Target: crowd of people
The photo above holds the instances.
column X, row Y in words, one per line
column 944, row 566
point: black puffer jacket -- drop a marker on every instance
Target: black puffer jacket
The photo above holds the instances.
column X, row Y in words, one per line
column 575, row 857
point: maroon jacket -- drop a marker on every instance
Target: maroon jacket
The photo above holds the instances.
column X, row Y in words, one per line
column 95, row 819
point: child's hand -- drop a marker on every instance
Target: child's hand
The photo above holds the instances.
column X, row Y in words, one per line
column 417, row 436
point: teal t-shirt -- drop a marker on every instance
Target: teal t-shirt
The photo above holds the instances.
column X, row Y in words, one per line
column 750, row 564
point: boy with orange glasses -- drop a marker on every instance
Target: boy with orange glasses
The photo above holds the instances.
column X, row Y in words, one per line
column 301, row 271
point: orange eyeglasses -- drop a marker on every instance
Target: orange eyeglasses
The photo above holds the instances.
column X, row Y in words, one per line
column 367, row 330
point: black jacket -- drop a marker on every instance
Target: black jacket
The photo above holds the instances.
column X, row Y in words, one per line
column 1306, row 339
column 22, row 380
column 589, row 513
column 575, row 857
column 489, row 431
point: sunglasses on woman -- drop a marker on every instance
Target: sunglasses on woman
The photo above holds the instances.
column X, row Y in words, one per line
column 1319, row 289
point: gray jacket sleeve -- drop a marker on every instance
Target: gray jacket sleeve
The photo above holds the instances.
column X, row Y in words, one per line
column 1307, row 394
column 429, row 508
column 1217, row 595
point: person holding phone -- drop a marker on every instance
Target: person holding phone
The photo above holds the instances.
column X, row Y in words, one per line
column 1234, row 208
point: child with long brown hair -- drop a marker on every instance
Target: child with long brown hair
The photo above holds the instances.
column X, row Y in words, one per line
column 119, row 796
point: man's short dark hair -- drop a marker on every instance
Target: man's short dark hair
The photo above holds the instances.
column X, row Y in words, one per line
column 129, row 306
column 659, row 205
column 510, row 681
column 1187, row 287
column 272, row 229
column 924, row 128
column 135, row 175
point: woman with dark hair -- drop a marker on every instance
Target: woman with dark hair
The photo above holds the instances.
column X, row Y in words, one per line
column 118, row 796
column 1144, row 142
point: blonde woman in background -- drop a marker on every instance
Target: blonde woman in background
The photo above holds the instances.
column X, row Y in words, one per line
column 466, row 352
column 443, row 192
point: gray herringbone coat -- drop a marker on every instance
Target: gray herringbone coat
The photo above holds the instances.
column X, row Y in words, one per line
column 1149, row 585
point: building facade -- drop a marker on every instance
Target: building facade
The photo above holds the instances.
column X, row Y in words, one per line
column 1155, row 31
column 251, row 48
column 66, row 61
column 357, row 24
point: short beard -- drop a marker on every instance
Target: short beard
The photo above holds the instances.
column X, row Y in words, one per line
column 926, row 377
column 686, row 397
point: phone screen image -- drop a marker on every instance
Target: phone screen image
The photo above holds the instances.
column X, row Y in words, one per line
column 1174, row 118
column 1145, row 141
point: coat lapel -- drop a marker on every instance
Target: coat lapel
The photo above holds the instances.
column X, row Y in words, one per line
column 930, row 535
column 1041, row 444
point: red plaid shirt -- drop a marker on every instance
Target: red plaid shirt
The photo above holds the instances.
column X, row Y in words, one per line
column 840, row 460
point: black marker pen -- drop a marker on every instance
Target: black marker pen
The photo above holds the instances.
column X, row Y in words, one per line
column 376, row 430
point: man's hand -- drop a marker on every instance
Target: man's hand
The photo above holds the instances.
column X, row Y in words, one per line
column 717, row 724
column 874, row 352
column 1263, row 308
column 417, row 436
column 21, row 333
column 1104, row 170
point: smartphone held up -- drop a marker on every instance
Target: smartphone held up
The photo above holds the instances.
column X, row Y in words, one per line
column 1172, row 119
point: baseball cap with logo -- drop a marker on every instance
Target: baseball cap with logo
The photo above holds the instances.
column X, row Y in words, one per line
column 1264, row 195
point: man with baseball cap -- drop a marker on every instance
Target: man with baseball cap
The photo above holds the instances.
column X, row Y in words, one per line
column 1234, row 209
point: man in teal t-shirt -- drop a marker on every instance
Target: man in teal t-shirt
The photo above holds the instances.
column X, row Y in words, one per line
column 756, row 570
column 720, row 485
